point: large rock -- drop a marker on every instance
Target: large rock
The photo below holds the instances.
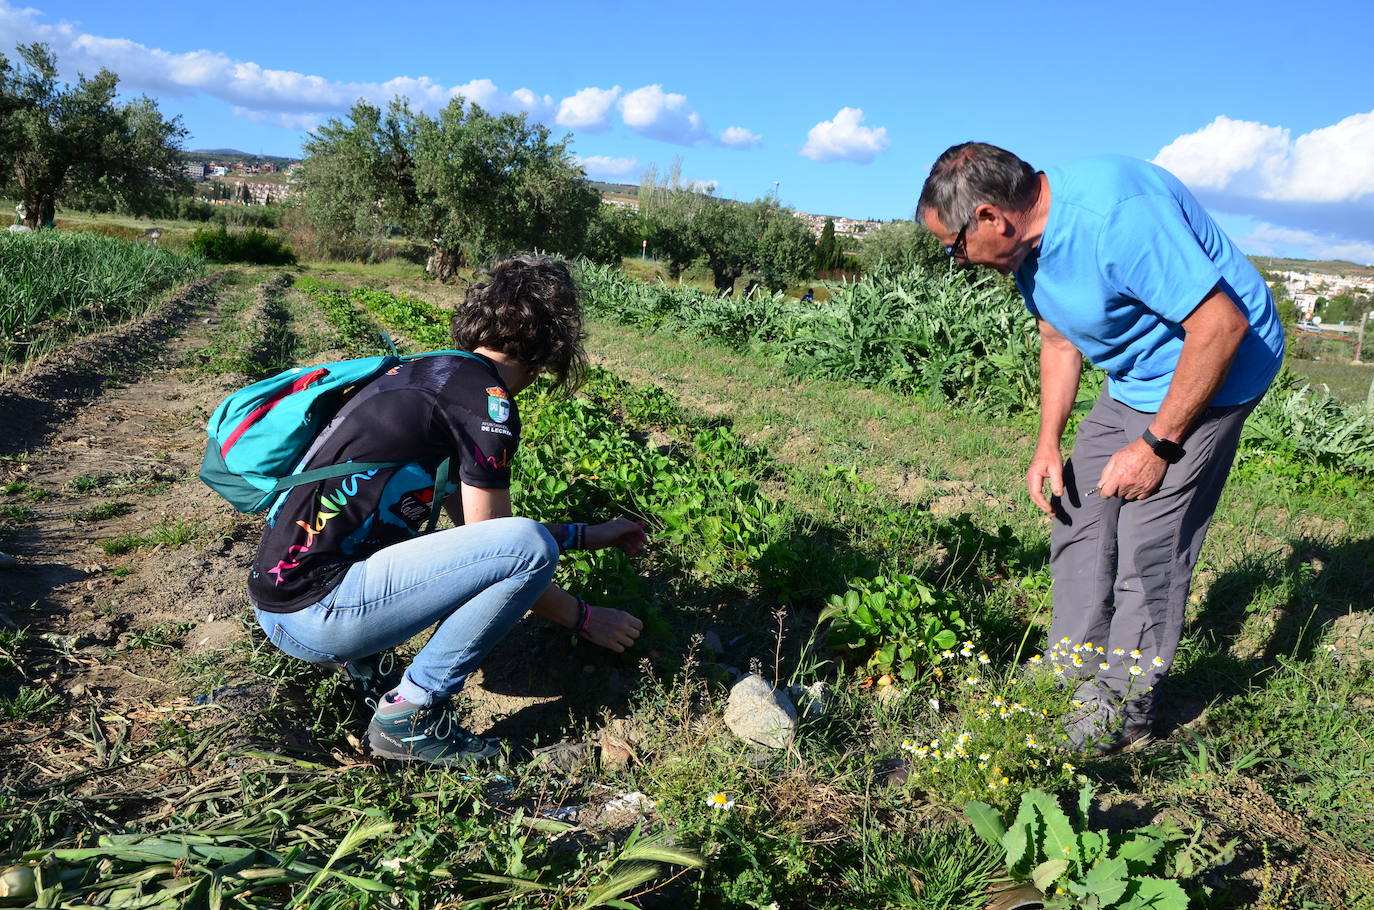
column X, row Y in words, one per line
column 759, row 714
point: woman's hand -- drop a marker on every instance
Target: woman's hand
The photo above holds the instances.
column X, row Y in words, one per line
column 618, row 532
column 612, row 629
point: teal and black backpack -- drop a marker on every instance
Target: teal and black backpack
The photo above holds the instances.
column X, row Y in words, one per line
column 261, row 434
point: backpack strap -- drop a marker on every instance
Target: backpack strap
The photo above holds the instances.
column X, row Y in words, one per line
column 437, row 502
column 331, row 470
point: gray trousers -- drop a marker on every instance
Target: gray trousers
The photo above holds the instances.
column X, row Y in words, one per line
column 1122, row 569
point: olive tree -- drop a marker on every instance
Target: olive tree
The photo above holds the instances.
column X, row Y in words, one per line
column 475, row 184
column 60, row 142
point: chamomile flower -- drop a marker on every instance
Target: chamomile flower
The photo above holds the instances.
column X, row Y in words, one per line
column 720, row 801
column 1156, row 661
column 947, row 655
column 1118, row 651
column 1030, row 741
column 1036, row 659
column 997, row 702
column 1135, row 655
column 971, row 680
column 1136, row 671
column 1088, row 646
column 983, row 756
column 908, row 745
column 983, row 657
column 1077, row 661
column 1066, row 640
column 1067, row 767
column 1059, row 671
column 1104, row 666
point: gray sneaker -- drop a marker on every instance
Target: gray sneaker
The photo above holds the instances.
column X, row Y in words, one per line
column 1103, row 724
column 431, row 735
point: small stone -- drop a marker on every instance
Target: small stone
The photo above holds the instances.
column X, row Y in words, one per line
column 619, row 744
column 76, row 689
column 759, row 714
column 565, row 757
column 891, row 772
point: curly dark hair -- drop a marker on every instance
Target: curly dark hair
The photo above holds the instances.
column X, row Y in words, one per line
column 526, row 307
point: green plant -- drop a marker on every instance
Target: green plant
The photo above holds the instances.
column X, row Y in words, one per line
column 56, row 285
column 29, row 702
column 1077, row 867
column 118, row 546
column 103, row 511
column 253, row 246
column 897, row 626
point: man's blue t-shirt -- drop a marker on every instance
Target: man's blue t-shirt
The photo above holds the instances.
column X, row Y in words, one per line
column 1126, row 256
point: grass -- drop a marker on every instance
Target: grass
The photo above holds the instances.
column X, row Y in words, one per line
column 103, row 511
column 767, row 493
column 56, row 285
column 1350, row 382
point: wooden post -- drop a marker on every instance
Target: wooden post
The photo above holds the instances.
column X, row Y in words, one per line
column 1359, row 338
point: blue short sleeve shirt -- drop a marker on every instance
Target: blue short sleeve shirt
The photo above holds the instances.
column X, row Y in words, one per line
column 1126, row 256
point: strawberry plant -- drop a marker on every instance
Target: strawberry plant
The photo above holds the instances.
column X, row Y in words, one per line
column 897, row 626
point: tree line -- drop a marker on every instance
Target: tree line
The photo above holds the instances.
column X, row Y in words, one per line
column 466, row 183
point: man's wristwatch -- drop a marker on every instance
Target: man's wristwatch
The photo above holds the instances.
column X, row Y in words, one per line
column 1167, row 449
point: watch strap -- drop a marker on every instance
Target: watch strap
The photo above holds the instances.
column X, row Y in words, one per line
column 1167, row 449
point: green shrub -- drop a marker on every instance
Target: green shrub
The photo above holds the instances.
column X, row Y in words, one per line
column 253, row 246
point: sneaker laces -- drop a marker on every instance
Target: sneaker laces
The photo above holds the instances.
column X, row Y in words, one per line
column 442, row 723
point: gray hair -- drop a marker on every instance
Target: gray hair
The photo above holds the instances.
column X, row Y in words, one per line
column 971, row 174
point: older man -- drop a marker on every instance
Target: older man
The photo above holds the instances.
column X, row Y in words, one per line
column 1120, row 264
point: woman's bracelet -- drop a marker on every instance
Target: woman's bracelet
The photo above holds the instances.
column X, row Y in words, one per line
column 584, row 618
column 574, row 537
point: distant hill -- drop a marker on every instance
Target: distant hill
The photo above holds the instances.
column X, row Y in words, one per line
column 1322, row 266
column 615, row 189
column 200, row 156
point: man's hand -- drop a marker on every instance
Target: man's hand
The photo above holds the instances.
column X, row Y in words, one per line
column 1048, row 464
column 612, row 629
column 618, row 532
column 1135, row 472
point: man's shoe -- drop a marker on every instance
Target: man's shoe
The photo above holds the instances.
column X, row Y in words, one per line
column 1103, row 725
column 374, row 676
column 430, row 735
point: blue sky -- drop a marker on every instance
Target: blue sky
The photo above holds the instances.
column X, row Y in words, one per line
column 1265, row 110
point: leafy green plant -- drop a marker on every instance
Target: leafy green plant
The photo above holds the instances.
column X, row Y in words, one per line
column 1077, row 868
column 103, row 511
column 898, row 626
column 253, row 246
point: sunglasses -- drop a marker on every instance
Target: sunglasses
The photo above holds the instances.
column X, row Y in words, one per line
column 958, row 250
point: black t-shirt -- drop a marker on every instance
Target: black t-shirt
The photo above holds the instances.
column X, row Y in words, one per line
column 419, row 413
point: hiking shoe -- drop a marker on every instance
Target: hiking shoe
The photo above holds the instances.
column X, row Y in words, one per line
column 374, row 676
column 430, row 735
column 1102, row 724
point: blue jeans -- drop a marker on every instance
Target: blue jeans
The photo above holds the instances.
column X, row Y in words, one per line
column 475, row 581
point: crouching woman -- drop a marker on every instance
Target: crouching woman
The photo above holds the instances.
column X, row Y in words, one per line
column 345, row 571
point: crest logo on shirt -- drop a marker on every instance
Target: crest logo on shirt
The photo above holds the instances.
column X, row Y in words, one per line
column 498, row 404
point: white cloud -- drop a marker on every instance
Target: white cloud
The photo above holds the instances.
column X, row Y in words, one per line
column 255, row 91
column 662, row 115
column 1331, row 164
column 845, row 138
column 1272, row 240
column 589, row 109
column 737, row 137
column 606, row 166
column 1313, row 193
